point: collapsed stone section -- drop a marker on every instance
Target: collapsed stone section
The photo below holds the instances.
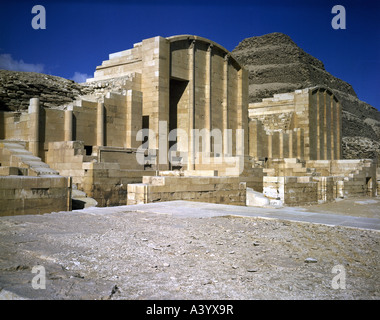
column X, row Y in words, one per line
column 28, row 185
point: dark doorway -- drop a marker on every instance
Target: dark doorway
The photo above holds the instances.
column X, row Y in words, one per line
column 145, row 125
column 369, row 187
column 88, row 150
column 177, row 88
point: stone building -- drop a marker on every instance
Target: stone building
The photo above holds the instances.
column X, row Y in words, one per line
column 178, row 127
column 297, row 137
column 187, row 82
column 303, row 124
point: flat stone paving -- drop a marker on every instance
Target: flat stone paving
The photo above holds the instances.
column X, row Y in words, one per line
column 202, row 210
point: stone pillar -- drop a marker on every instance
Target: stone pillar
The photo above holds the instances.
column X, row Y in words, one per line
column 338, row 131
column 241, row 115
column 133, row 118
column 270, row 154
column 100, row 124
column 290, row 145
column 318, row 146
column 191, row 146
column 208, row 113
column 325, row 126
column 34, row 120
column 68, row 126
column 226, row 146
column 299, row 143
column 253, row 137
column 333, row 129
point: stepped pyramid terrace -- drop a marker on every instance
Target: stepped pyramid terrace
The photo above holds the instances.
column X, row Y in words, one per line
column 169, row 119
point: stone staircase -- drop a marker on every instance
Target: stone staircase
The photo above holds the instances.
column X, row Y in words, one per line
column 14, row 154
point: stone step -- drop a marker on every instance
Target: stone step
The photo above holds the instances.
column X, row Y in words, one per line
column 303, row 170
column 42, row 171
column 19, row 151
column 36, row 164
column 24, row 158
column 11, row 145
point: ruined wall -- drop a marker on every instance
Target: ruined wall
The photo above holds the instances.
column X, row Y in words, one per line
column 298, row 183
column 292, row 191
column 108, row 184
column 114, row 122
column 224, row 190
column 106, row 179
column 304, row 124
column 122, row 63
column 34, row 195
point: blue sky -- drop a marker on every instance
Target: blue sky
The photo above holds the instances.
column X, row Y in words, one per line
column 79, row 35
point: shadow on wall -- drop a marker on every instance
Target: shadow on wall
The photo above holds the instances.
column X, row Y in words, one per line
column 77, row 204
column 2, row 125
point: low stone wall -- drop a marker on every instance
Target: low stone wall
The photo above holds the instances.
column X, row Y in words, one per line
column 108, row 184
column 223, row 190
column 292, row 191
column 34, row 195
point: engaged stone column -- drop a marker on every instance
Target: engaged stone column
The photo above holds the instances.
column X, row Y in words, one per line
column 68, row 129
column 191, row 153
column 34, row 120
column 208, row 93
column 100, row 124
column 226, row 146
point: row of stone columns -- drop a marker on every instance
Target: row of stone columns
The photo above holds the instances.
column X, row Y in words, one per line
column 208, row 104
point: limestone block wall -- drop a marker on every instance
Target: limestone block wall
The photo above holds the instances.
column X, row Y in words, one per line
column 225, row 190
column 352, row 177
column 14, row 125
column 335, row 178
column 326, row 189
column 113, row 122
column 105, row 180
column 122, row 63
column 34, row 195
column 108, row 184
column 292, row 191
column 67, row 158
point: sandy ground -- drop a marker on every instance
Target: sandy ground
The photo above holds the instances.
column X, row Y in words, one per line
column 141, row 255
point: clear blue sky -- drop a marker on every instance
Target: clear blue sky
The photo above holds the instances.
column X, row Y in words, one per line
column 79, row 35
